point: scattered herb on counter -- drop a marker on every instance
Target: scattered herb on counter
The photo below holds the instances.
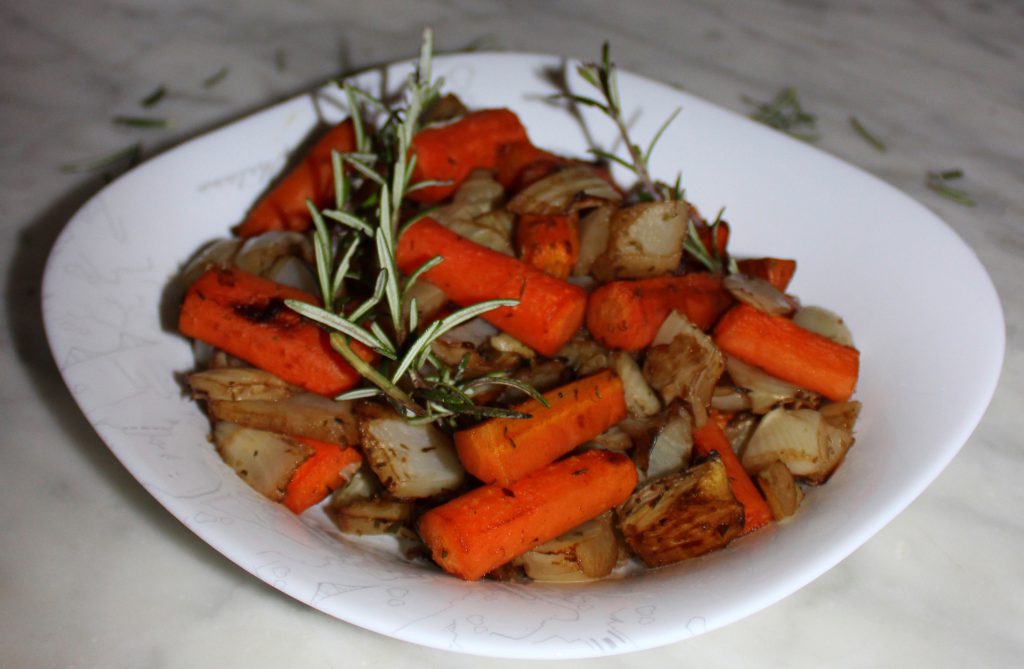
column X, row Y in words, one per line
column 785, row 113
column 868, row 136
column 127, row 157
column 216, row 77
column 142, row 122
column 938, row 181
column 156, row 96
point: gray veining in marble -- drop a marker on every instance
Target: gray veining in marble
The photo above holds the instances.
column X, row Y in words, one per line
column 93, row 572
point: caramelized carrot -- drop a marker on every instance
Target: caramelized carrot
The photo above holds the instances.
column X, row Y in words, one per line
column 327, row 469
column 489, row 526
column 245, row 315
column 711, row 439
column 785, row 350
column 503, row 450
column 283, row 207
column 550, row 310
column 775, row 271
column 519, row 164
column 549, row 243
column 627, row 314
column 451, row 152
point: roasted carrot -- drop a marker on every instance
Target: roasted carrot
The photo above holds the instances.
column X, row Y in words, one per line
column 283, row 207
column 550, row 310
column 785, row 350
column 489, row 526
column 451, row 152
column 519, row 164
column 324, row 471
column 711, row 439
column 627, row 314
column 503, row 450
column 245, row 315
column 549, row 243
column 776, row 271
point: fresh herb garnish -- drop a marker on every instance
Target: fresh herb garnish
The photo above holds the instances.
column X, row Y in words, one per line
column 868, row 137
column 409, row 376
column 216, row 77
column 785, row 113
column 156, row 96
column 145, row 122
column 127, row 157
column 938, row 182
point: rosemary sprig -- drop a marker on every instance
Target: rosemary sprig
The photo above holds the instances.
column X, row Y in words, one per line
column 784, row 112
column 868, row 137
column 938, row 181
column 416, row 383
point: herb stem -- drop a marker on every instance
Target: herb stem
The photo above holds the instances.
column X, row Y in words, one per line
column 340, row 344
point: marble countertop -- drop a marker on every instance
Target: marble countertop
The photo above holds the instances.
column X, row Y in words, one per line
column 93, row 572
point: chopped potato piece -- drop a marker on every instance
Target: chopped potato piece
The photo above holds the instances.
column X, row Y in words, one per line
column 411, row 461
column 583, row 553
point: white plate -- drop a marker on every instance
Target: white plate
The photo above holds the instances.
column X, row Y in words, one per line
column 922, row 309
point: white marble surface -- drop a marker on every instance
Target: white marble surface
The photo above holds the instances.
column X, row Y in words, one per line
column 93, row 572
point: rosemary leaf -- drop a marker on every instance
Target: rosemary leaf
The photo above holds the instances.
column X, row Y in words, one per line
column 145, row 122
column 154, row 97
column 335, row 322
column 216, row 77
column 937, row 181
column 360, row 394
column 868, row 137
column 784, row 112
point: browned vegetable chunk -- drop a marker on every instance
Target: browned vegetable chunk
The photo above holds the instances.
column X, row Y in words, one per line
column 682, row 516
column 780, row 490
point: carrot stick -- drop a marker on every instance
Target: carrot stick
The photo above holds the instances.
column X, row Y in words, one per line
column 519, row 164
column 451, row 152
column 627, row 314
column 284, row 206
column 489, row 526
column 549, row 243
column 550, row 310
column 785, row 350
column 503, row 450
column 323, row 472
column 775, row 271
column 245, row 315
column 710, row 438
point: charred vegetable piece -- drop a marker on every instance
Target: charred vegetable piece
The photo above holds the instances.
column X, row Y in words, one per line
column 682, row 516
column 684, row 364
column 302, row 415
column 780, row 490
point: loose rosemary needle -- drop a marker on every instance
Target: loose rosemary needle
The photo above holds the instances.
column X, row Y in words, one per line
column 216, row 77
column 868, row 137
column 146, row 122
column 785, row 113
column 158, row 94
column 127, row 156
column 938, row 181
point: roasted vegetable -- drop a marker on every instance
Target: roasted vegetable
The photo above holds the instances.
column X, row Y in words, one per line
column 683, row 363
column 264, row 460
column 645, row 240
column 584, row 553
column 681, row 516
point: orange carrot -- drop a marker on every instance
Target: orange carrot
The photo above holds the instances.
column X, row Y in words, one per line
column 549, row 243
column 503, row 450
column 775, row 271
column 716, row 246
column 627, row 314
column 451, row 152
column 710, row 438
column 785, row 350
column 323, row 472
column 284, row 206
column 550, row 310
column 489, row 526
column 519, row 164
column 245, row 315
